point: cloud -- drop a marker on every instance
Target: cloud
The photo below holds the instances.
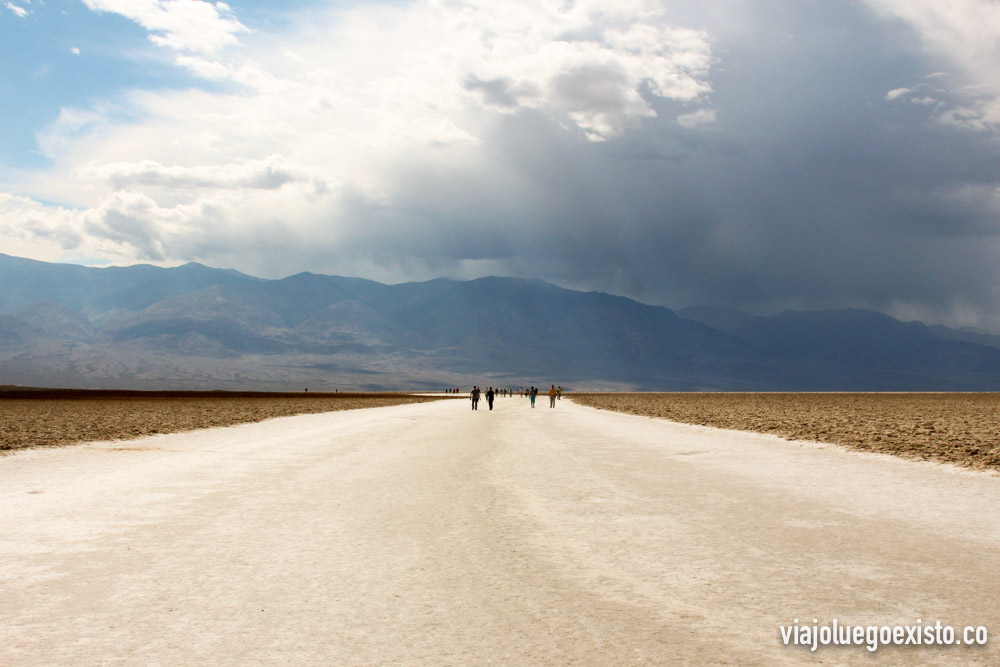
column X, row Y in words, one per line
column 592, row 68
column 583, row 66
column 23, row 219
column 784, row 154
column 966, row 33
column 270, row 173
column 974, row 107
column 183, row 25
column 19, row 11
column 698, row 118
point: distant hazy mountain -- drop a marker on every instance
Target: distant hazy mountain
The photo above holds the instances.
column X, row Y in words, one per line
column 886, row 352
column 854, row 349
column 96, row 291
column 967, row 335
column 724, row 319
column 198, row 327
column 15, row 332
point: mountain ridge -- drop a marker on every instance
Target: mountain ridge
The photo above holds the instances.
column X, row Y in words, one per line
column 199, row 327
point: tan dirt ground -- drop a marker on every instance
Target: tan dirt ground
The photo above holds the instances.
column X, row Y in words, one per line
column 954, row 428
column 46, row 418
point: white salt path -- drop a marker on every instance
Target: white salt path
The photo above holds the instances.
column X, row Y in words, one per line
column 433, row 535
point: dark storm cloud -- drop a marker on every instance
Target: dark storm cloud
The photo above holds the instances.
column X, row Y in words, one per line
column 812, row 188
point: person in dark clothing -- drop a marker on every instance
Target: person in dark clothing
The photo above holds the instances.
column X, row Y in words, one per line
column 475, row 397
column 490, row 394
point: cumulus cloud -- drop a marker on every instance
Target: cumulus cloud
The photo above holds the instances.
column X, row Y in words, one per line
column 24, row 219
column 184, row 25
column 588, row 66
column 576, row 61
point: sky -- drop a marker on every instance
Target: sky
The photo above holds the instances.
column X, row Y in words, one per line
column 759, row 155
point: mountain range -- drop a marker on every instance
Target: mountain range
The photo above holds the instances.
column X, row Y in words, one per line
column 196, row 327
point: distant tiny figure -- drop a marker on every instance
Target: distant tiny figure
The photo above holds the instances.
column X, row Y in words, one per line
column 490, row 394
column 552, row 396
column 475, row 397
column 559, row 392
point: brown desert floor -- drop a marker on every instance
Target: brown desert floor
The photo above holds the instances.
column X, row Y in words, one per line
column 46, row 418
column 959, row 428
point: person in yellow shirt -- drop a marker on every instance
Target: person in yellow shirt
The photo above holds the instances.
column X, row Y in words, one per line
column 552, row 396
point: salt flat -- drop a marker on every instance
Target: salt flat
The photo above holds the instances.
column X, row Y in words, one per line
column 429, row 534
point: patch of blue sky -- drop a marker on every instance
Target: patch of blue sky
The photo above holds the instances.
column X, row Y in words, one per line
column 83, row 259
column 51, row 203
column 268, row 15
column 63, row 55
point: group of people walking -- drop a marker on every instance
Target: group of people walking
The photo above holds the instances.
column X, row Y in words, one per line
column 477, row 393
column 532, row 393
